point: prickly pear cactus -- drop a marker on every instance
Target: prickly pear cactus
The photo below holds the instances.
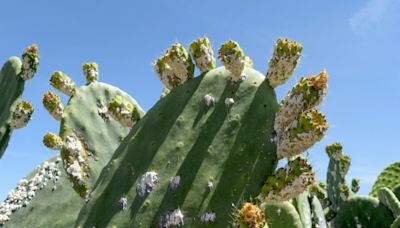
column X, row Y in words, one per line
column 44, row 198
column 389, row 177
column 15, row 112
column 209, row 145
column 282, row 215
column 88, row 133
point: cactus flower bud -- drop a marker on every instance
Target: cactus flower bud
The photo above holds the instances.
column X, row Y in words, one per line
column 63, row 83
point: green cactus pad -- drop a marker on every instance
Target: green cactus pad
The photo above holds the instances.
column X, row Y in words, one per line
column 282, row 215
column 317, row 212
column 63, row 83
column 303, row 207
column 363, row 211
column 389, row 177
column 389, row 199
column 54, row 204
column 338, row 167
column 203, row 160
column 87, row 123
column 12, row 81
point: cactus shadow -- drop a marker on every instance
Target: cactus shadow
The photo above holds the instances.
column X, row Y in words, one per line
column 194, row 158
column 246, row 168
column 134, row 161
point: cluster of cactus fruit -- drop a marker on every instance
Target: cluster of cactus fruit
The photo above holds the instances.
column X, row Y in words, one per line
column 212, row 162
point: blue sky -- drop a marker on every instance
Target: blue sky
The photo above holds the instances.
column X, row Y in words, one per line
column 357, row 42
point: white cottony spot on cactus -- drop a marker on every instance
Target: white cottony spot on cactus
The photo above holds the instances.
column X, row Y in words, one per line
column 174, row 182
column 26, row 189
column 30, row 62
column 76, row 171
column 209, row 100
column 210, row 185
column 147, row 183
column 21, row 115
column 171, row 219
column 123, row 201
column 229, row 102
column 73, row 145
column 208, row 217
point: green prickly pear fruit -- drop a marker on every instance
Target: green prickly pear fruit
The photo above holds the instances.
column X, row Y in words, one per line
column 175, row 66
column 63, row 83
column 203, row 54
column 52, row 103
column 53, row 141
column 123, row 111
column 91, row 71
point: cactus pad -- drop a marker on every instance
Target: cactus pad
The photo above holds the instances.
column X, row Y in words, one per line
column 196, row 142
column 282, row 215
column 14, row 112
column 389, row 177
column 363, row 211
column 43, row 198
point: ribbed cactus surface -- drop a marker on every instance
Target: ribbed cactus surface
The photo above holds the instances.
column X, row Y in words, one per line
column 209, row 145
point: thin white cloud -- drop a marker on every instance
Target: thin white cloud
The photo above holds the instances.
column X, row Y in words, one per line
column 370, row 15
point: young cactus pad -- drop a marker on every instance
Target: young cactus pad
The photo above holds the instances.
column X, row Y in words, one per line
column 44, row 198
column 89, row 134
column 199, row 153
column 12, row 82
